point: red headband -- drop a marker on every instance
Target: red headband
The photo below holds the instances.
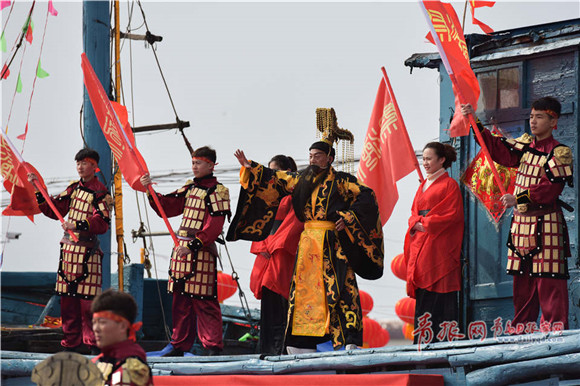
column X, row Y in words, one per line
column 133, row 328
column 93, row 161
column 551, row 113
column 204, row 159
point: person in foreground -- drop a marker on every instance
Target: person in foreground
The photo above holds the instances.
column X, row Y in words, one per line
column 122, row 361
column 342, row 236
column 433, row 241
column 204, row 203
column 538, row 242
column 87, row 203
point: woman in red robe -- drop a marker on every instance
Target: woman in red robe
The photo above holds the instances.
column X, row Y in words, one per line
column 433, row 241
column 274, row 267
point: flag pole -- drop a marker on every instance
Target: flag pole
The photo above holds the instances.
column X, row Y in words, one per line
column 408, row 141
column 37, row 186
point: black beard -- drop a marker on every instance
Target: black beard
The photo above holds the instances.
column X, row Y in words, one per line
column 310, row 178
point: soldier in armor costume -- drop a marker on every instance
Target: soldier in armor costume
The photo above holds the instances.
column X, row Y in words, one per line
column 122, row 361
column 87, row 203
column 204, row 203
column 538, row 243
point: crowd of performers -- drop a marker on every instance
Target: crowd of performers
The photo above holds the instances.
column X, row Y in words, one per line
column 313, row 232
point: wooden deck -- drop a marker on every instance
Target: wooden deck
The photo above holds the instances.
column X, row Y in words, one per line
column 551, row 358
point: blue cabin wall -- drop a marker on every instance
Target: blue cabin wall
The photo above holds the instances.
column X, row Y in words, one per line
column 487, row 289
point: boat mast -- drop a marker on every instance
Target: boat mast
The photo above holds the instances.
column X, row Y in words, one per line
column 118, row 181
column 96, row 42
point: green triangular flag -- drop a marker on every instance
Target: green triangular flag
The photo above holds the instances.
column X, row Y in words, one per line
column 3, row 43
column 40, row 72
column 19, row 84
column 27, row 23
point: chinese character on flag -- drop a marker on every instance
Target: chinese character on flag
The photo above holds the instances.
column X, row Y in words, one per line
column 387, row 154
column 22, row 196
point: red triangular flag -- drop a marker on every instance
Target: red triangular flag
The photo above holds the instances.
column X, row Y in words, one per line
column 23, row 136
column 29, row 34
column 478, row 4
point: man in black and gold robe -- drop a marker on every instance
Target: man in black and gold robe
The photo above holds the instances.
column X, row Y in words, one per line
column 342, row 237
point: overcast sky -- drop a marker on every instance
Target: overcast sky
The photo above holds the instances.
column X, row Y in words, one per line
column 246, row 75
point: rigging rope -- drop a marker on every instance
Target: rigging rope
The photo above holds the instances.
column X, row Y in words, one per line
column 35, row 78
column 18, row 43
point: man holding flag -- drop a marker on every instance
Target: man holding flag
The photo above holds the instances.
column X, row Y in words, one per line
column 204, row 203
column 87, row 203
column 538, row 242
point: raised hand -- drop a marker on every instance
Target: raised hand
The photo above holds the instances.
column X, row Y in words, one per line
column 239, row 154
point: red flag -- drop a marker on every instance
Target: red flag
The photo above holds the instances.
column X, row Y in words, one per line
column 453, row 50
column 478, row 4
column 122, row 145
column 22, row 196
column 387, row 154
column 130, row 161
column 23, row 135
column 5, row 72
column 130, row 170
column 29, row 34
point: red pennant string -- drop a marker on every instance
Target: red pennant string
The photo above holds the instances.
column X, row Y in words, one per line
column 5, row 72
column 23, row 136
column 29, row 34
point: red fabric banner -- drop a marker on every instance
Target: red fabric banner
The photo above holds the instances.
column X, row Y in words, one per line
column 387, row 154
column 453, row 50
column 303, row 380
column 115, row 128
column 120, row 138
column 22, row 196
column 478, row 178
column 478, row 4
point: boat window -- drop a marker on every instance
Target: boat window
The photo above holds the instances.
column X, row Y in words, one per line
column 500, row 88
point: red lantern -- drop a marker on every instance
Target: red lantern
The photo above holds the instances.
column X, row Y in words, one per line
column 399, row 267
column 226, row 286
column 408, row 331
column 366, row 302
column 373, row 334
column 383, row 338
column 405, row 309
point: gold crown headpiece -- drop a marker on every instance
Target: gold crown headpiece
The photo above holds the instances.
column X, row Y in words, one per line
column 329, row 132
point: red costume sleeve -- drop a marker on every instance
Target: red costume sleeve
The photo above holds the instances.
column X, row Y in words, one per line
column 212, row 228
column 500, row 153
column 287, row 235
column 61, row 203
column 172, row 203
column 545, row 192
